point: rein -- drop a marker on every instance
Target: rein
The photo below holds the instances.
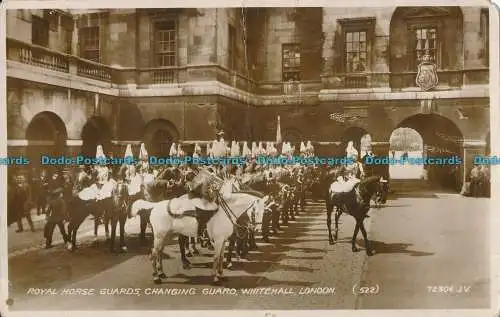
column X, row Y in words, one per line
column 230, row 214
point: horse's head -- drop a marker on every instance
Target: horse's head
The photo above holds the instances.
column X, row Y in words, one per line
column 120, row 191
column 373, row 185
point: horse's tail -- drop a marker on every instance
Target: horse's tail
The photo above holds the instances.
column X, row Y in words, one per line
column 140, row 205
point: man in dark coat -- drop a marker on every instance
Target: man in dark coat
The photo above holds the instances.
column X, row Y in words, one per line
column 55, row 216
column 22, row 202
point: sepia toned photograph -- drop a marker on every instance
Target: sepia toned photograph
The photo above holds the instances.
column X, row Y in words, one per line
column 252, row 158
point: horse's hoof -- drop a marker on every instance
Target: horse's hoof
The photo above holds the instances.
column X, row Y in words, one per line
column 69, row 246
column 186, row 266
column 162, row 275
column 369, row 252
column 211, row 247
column 332, row 242
column 216, row 281
column 355, row 250
column 189, row 254
column 196, row 252
column 229, row 266
column 157, row 280
column 124, row 249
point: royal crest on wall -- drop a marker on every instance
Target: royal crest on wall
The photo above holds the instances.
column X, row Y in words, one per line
column 427, row 77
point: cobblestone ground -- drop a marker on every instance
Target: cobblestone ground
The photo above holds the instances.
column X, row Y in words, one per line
column 416, row 241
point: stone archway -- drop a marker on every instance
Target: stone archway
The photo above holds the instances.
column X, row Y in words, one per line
column 406, row 142
column 46, row 135
column 95, row 132
column 158, row 136
column 441, row 138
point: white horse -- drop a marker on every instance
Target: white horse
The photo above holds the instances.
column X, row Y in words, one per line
column 178, row 216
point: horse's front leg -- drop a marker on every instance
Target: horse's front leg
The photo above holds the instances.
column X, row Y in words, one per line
column 193, row 246
column 122, row 219
column 355, row 235
column 369, row 251
column 96, row 228
column 114, row 222
column 218, row 260
column 329, row 224
column 186, row 264
column 107, row 222
column 156, row 259
column 230, row 248
column 338, row 213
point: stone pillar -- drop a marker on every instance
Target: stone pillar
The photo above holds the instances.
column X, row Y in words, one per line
column 74, row 38
column 329, row 26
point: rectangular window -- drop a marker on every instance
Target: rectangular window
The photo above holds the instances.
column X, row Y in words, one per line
column 231, row 53
column 426, row 41
column 291, row 62
column 39, row 31
column 356, row 52
column 89, row 40
column 165, row 38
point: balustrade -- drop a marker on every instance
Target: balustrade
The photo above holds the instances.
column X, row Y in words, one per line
column 37, row 56
column 93, row 70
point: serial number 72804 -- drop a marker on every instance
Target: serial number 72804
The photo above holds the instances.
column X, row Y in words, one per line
column 449, row 289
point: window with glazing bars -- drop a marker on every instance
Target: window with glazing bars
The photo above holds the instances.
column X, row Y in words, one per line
column 165, row 43
column 40, row 31
column 291, row 62
column 426, row 41
column 89, row 44
column 356, row 52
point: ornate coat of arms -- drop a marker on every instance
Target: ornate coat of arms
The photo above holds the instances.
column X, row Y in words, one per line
column 427, row 77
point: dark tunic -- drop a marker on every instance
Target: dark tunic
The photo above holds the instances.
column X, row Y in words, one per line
column 57, row 210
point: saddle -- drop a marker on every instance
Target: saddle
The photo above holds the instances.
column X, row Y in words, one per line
column 338, row 187
column 184, row 204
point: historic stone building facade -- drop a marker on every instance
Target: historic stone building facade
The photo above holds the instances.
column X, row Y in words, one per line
column 78, row 78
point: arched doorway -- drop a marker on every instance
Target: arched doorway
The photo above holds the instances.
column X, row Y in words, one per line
column 360, row 138
column 95, row 132
column 441, row 138
column 46, row 135
column 406, row 142
column 294, row 136
column 158, row 136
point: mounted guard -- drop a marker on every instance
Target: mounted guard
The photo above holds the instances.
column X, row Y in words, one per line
column 101, row 167
column 143, row 160
column 354, row 170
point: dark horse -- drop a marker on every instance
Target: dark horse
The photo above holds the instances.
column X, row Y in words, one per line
column 356, row 203
column 118, row 213
column 80, row 209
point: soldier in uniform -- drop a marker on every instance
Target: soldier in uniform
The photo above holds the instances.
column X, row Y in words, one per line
column 56, row 215
column 83, row 180
column 22, row 202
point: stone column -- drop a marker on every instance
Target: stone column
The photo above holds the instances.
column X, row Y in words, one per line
column 329, row 26
column 74, row 38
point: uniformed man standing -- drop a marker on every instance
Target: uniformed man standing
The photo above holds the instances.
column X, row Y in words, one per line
column 55, row 216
